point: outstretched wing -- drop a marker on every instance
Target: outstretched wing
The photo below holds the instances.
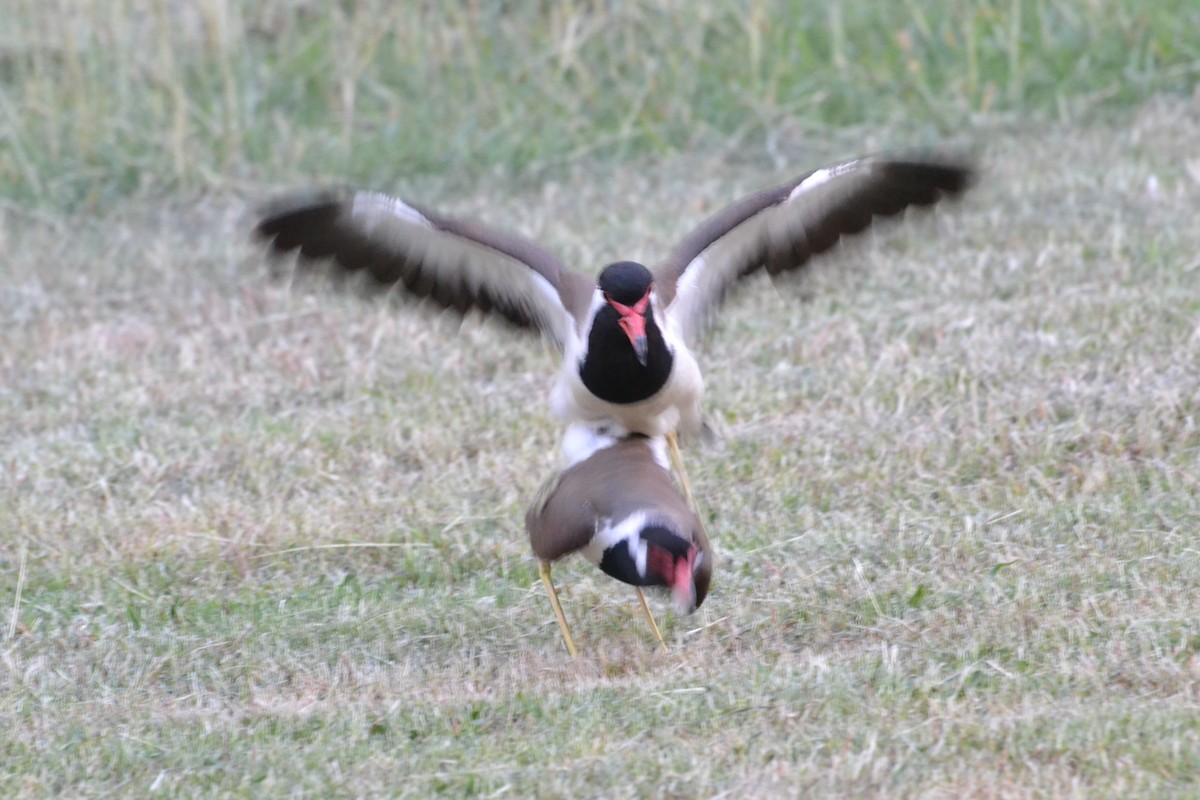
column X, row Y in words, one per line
column 782, row 228
column 457, row 264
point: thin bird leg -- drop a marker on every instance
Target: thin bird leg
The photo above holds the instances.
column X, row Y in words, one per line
column 649, row 616
column 677, row 464
column 544, row 571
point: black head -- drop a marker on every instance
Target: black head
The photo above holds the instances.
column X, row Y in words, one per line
column 625, row 281
column 675, row 563
column 610, row 371
column 657, row 556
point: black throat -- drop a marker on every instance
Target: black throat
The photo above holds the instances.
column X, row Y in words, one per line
column 618, row 563
column 611, row 371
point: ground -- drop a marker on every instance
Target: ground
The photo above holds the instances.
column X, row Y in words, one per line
column 264, row 536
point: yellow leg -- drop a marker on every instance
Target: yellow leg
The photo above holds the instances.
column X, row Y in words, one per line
column 649, row 616
column 544, row 571
column 677, row 464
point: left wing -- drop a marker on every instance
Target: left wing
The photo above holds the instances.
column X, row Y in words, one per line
column 559, row 522
column 782, row 228
column 454, row 263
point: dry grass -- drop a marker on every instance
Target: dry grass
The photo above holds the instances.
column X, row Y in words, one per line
column 261, row 539
column 270, row 535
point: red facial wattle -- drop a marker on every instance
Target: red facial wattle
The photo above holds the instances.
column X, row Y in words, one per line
column 676, row 573
column 633, row 322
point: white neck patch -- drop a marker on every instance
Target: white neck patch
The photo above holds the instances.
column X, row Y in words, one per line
column 610, row 534
column 584, row 439
column 598, row 302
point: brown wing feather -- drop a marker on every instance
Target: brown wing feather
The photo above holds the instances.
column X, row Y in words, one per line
column 667, row 275
column 781, row 229
column 456, row 264
column 612, row 483
column 559, row 522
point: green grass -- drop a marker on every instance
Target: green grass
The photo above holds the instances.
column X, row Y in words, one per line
column 263, row 539
column 106, row 101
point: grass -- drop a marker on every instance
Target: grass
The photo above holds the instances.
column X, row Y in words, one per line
column 102, row 100
column 263, row 539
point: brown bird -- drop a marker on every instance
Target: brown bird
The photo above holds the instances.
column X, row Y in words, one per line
column 620, row 508
column 625, row 337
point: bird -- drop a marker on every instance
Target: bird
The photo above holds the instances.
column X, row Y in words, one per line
column 625, row 336
column 620, row 508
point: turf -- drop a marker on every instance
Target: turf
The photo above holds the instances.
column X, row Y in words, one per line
column 262, row 537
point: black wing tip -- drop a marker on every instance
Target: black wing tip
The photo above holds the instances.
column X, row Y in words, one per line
column 302, row 208
column 951, row 172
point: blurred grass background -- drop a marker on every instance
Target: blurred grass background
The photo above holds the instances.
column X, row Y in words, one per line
column 103, row 97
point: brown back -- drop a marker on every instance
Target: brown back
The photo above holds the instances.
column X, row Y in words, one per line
column 611, row 484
